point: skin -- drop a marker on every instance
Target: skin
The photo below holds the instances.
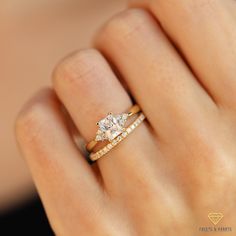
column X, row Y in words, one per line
column 176, row 59
column 30, row 30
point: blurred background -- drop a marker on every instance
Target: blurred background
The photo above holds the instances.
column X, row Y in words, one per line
column 34, row 35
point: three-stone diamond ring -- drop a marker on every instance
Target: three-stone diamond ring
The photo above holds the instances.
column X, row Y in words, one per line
column 111, row 126
column 112, row 129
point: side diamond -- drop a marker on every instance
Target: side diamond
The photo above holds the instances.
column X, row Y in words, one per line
column 99, row 136
column 122, row 118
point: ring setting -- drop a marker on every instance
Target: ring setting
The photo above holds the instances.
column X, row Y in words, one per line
column 111, row 126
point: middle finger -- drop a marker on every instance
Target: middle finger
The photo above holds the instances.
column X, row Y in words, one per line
column 155, row 73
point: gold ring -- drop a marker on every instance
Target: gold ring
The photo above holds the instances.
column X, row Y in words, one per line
column 94, row 156
column 111, row 126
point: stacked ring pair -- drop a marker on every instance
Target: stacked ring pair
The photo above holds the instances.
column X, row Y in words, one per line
column 113, row 129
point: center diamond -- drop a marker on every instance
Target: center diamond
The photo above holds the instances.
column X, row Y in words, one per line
column 111, row 126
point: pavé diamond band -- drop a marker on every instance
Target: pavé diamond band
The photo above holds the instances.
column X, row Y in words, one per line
column 111, row 127
column 94, row 156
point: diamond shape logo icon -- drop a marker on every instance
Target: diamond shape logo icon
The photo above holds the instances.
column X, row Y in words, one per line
column 215, row 218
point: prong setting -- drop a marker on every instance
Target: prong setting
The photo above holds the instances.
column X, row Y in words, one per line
column 111, row 126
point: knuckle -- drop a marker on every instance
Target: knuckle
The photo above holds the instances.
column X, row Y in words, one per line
column 78, row 66
column 27, row 126
column 32, row 120
column 216, row 169
column 126, row 24
column 212, row 164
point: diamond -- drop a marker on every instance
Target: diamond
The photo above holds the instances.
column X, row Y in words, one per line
column 111, row 126
column 128, row 130
column 114, row 142
column 99, row 136
column 122, row 118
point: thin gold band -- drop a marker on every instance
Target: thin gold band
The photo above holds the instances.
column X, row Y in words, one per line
column 133, row 110
column 94, row 156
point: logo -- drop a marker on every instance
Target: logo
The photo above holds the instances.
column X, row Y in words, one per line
column 215, row 218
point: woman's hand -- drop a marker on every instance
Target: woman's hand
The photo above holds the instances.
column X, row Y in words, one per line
column 178, row 166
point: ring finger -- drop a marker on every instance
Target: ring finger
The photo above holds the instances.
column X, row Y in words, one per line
column 89, row 90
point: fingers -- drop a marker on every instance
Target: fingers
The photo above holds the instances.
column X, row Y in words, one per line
column 204, row 31
column 155, row 73
column 89, row 89
column 183, row 114
column 61, row 173
column 136, row 170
